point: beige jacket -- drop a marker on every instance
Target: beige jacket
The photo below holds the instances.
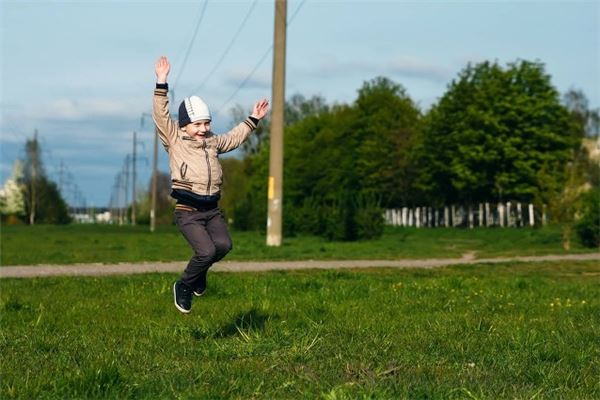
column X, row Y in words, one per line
column 194, row 163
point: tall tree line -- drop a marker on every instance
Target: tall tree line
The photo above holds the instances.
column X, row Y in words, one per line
column 498, row 133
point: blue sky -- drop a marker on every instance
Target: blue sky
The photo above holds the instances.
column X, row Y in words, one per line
column 82, row 72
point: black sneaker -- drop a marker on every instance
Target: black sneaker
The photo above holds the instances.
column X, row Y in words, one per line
column 182, row 294
column 199, row 291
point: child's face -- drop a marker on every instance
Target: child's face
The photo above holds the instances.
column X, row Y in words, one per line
column 198, row 128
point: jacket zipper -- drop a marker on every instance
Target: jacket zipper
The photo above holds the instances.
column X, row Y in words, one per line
column 208, row 165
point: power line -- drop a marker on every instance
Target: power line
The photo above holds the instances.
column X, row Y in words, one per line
column 246, row 79
column 262, row 59
column 187, row 53
column 228, row 48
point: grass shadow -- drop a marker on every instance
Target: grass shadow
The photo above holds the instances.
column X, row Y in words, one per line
column 252, row 320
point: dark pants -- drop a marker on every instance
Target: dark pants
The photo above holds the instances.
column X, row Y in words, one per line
column 206, row 232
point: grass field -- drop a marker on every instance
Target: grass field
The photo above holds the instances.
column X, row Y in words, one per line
column 479, row 332
column 29, row 245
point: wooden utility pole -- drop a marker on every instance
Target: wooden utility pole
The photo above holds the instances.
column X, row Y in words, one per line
column 126, row 188
column 275, row 188
column 133, row 182
column 34, row 162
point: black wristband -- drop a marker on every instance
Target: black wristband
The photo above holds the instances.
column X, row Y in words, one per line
column 255, row 120
column 162, row 86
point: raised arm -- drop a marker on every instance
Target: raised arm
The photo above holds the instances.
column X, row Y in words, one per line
column 167, row 130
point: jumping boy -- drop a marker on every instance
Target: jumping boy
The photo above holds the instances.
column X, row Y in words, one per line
column 196, row 178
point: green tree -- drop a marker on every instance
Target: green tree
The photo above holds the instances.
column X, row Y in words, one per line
column 586, row 119
column 388, row 122
column 496, row 134
column 345, row 164
column 44, row 203
column 362, row 148
column 12, row 202
column 586, row 127
column 572, row 200
column 245, row 184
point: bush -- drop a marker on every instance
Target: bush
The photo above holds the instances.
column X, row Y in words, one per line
column 369, row 218
column 338, row 220
column 303, row 219
column 348, row 217
column 588, row 226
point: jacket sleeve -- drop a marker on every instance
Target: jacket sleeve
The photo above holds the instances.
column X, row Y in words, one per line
column 235, row 137
column 165, row 126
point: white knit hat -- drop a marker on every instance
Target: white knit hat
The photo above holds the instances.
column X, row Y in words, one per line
column 193, row 109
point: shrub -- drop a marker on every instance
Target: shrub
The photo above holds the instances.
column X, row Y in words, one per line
column 588, row 226
column 369, row 218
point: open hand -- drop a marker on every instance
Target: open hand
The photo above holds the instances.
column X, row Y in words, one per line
column 260, row 109
column 162, row 69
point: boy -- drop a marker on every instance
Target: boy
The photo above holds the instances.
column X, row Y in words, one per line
column 196, row 178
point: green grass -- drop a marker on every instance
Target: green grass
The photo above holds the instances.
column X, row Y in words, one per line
column 29, row 245
column 504, row 331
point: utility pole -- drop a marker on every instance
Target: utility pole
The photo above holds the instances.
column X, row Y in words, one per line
column 127, row 161
column 275, row 188
column 133, row 183
column 34, row 161
column 154, row 184
column 61, row 181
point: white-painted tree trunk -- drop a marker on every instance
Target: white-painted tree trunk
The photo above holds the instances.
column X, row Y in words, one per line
column 501, row 214
column 470, row 211
column 453, row 214
column 480, row 215
column 531, row 215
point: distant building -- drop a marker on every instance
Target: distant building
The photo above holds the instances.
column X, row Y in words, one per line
column 82, row 215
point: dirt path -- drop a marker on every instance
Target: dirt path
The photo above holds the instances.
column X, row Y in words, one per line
column 240, row 266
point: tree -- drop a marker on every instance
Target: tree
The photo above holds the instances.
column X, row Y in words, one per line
column 44, row 203
column 575, row 198
column 362, row 148
column 586, row 127
column 245, row 196
column 12, row 202
column 587, row 121
column 342, row 163
column 388, row 122
column 496, row 134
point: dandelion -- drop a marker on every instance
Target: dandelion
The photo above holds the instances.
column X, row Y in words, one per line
column 471, row 365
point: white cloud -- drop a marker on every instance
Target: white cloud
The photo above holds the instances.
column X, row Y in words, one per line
column 81, row 109
column 409, row 67
column 415, row 68
column 259, row 80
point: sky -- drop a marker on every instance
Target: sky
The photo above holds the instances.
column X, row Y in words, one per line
column 81, row 73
